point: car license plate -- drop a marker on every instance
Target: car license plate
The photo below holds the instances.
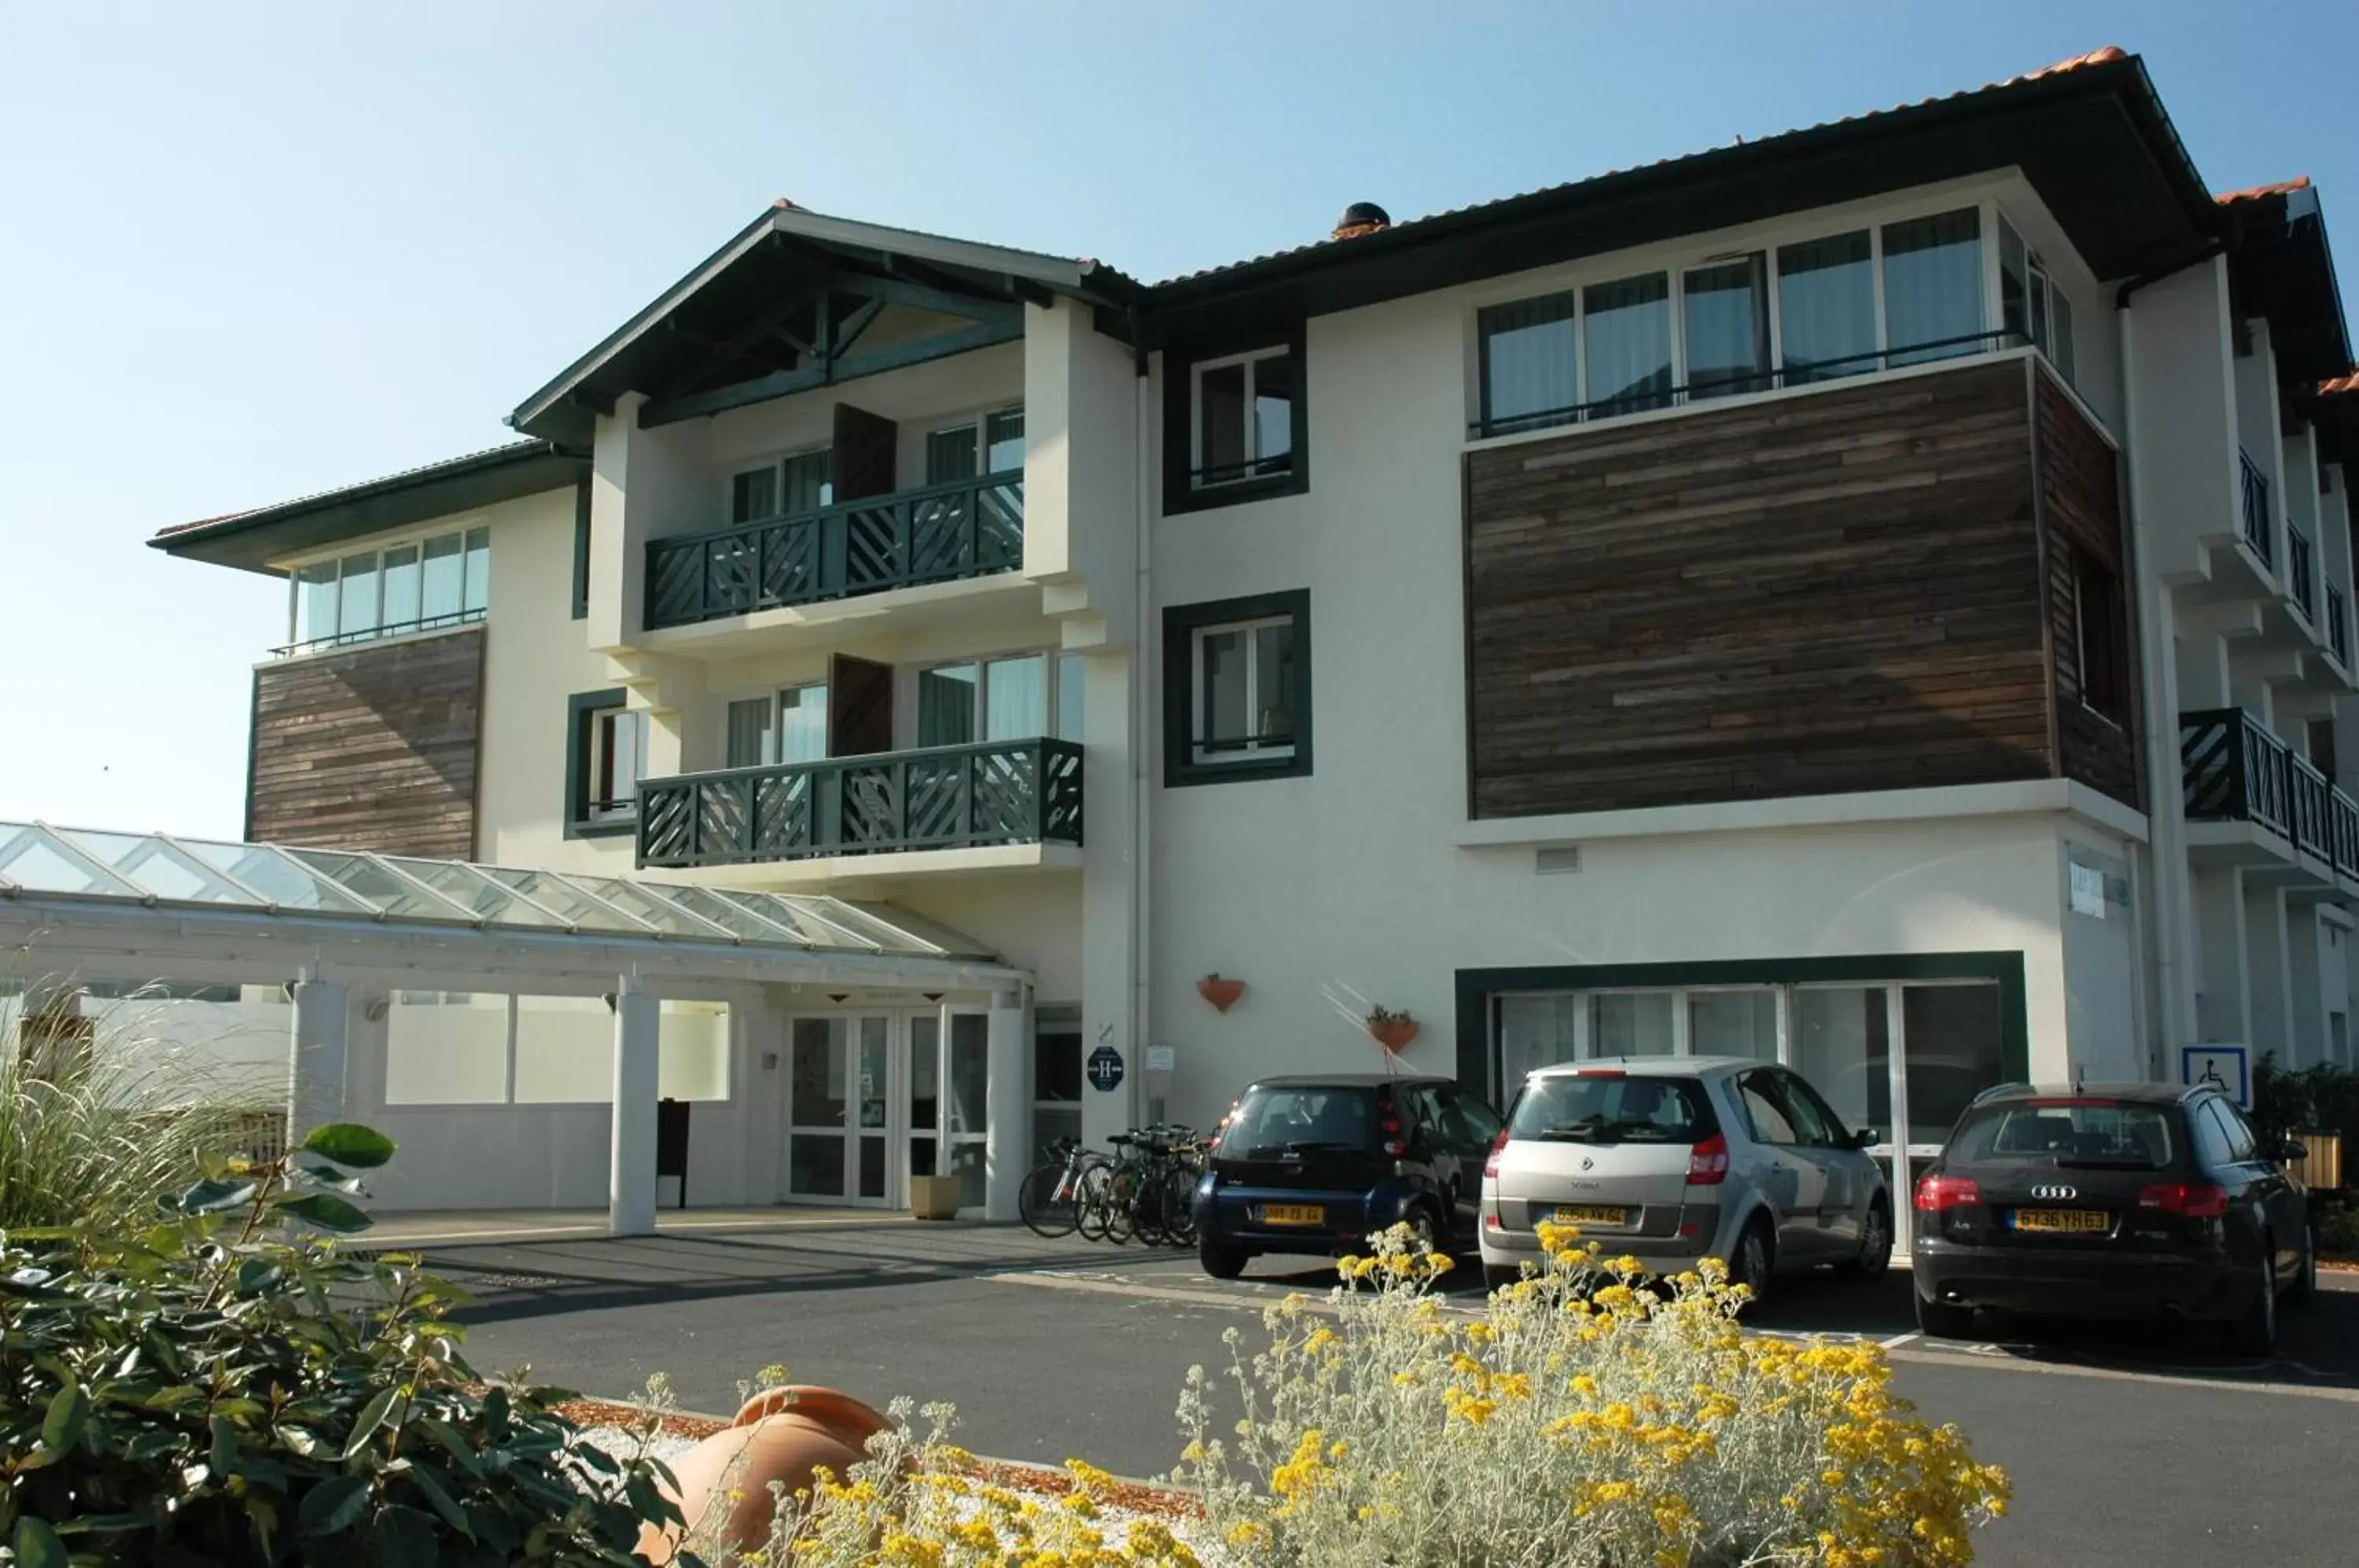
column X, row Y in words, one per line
column 1293, row 1213
column 2068, row 1222
column 1587, row 1213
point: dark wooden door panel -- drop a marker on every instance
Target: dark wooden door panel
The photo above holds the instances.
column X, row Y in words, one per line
column 866, row 445
column 859, row 706
column 1807, row 596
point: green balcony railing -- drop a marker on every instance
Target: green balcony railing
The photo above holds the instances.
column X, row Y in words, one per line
column 969, row 528
column 945, row 797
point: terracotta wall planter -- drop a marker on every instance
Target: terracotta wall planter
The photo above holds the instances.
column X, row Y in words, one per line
column 780, row 1434
column 1395, row 1036
column 1220, row 991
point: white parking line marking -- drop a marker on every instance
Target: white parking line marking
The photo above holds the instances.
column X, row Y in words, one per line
column 1897, row 1340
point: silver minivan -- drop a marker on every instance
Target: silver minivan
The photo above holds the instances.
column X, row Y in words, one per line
column 1670, row 1158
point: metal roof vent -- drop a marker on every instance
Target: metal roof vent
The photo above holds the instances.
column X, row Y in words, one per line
column 1361, row 218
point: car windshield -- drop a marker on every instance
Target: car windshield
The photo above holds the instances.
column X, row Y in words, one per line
column 1301, row 1119
column 2097, row 1134
column 1599, row 1109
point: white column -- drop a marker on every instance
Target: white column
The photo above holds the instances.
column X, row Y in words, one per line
column 1006, row 1103
column 631, row 1185
column 316, row 1055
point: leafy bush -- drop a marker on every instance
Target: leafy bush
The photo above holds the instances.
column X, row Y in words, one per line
column 2323, row 1098
column 213, row 1391
column 92, row 1127
column 1580, row 1421
column 2338, row 1229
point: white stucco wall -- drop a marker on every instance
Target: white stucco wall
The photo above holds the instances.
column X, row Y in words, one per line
column 2184, row 484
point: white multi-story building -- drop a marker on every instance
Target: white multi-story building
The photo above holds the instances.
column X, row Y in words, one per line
column 1876, row 596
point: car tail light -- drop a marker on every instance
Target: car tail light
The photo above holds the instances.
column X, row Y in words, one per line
column 1498, row 1147
column 2196, row 1199
column 1708, row 1163
column 1935, row 1193
column 1388, row 1122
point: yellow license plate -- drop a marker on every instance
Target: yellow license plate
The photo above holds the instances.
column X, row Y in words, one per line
column 2070, row 1221
column 1587, row 1215
column 1293, row 1213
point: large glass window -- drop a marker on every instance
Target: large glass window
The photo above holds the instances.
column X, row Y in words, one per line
column 445, row 574
column 1246, row 679
column 356, row 605
column 1933, row 287
column 1529, row 370
column 609, row 759
column 1841, row 1046
column 1243, row 417
column 2031, row 306
column 1627, row 326
column 790, row 728
column 996, row 440
column 316, row 597
column 1632, row 1023
column 1826, row 307
column 1011, row 698
column 1056, row 1076
column 366, row 595
column 1953, row 1053
column 402, row 587
column 754, row 494
column 748, row 741
column 1733, row 1023
column 1727, row 323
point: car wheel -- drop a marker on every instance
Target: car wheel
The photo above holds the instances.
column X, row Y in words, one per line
column 2256, row 1334
column 1424, row 1235
column 1221, row 1262
column 1875, row 1246
column 2305, row 1280
column 1754, row 1261
column 1940, row 1319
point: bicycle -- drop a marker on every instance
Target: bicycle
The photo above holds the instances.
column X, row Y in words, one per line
column 1049, row 1201
column 1150, row 1186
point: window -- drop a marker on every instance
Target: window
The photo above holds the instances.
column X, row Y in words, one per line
column 786, row 728
column 1627, row 326
column 1012, row 698
column 1764, row 1100
column 605, row 756
column 2212, row 1149
column 803, row 483
column 1933, row 287
column 2101, row 637
column 1236, row 690
column 950, row 451
column 1056, row 1076
column 420, row 585
column 1826, row 307
column 1727, row 324
column 1809, row 1116
column 581, row 552
column 2032, row 305
column 2242, row 1145
column 1529, row 379
column 1243, row 420
column 1627, row 1110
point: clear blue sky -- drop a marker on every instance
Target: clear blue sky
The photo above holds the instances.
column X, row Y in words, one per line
column 249, row 252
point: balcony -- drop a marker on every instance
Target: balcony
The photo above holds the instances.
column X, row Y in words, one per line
column 2255, row 486
column 953, row 797
column 2235, row 771
column 969, row 528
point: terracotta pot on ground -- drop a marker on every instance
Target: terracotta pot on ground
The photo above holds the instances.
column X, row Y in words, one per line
column 780, row 1434
column 1220, row 991
column 1395, row 1036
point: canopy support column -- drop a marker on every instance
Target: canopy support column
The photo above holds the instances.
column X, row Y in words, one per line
column 631, row 1189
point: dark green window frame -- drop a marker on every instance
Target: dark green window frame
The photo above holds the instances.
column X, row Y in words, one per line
column 1181, row 623
column 579, row 708
column 1181, row 493
column 1478, row 1052
column 581, row 552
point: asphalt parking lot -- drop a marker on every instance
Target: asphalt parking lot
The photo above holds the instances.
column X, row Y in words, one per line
column 2127, row 1447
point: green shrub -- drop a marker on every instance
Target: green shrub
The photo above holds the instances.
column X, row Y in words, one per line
column 2323, row 1098
column 2338, row 1229
column 93, row 1128
column 214, row 1391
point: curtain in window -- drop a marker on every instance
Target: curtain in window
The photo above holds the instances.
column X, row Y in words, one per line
column 356, row 605
column 1016, row 698
column 1826, row 304
column 1274, row 684
column 1272, row 412
column 950, row 454
column 445, row 574
column 1728, row 327
column 803, row 723
column 1221, row 422
column 478, row 593
column 749, row 733
column 1529, row 369
column 1224, row 724
column 754, row 494
column 945, row 704
column 316, row 596
column 401, row 586
column 1071, row 674
column 810, row 482
column 2013, row 282
column 1003, row 437
column 1933, row 287
column 1627, row 326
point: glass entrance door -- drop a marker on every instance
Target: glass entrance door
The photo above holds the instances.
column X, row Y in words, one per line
column 948, row 1086
column 838, row 1069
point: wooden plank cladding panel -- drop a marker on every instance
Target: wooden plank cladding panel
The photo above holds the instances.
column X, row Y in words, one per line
column 2080, row 499
column 1816, row 594
column 371, row 747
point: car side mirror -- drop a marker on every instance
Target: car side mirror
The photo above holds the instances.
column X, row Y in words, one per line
column 2293, row 1149
column 1866, row 1138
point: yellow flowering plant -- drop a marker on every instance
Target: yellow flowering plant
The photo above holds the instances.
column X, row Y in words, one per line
column 1580, row 1420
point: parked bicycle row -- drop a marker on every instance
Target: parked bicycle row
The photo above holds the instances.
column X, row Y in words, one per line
column 1144, row 1189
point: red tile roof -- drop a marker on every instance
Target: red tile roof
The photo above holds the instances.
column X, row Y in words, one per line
column 2105, row 56
column 2299, row 182
column 2339, row 385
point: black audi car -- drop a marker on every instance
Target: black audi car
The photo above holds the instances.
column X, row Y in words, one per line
column 2119, row 1201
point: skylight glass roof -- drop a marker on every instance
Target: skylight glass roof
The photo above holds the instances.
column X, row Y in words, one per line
column 39, row 860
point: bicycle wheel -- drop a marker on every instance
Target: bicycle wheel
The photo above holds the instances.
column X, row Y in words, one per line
column 1122, row 1204
column 1093, row 1201
column 1180, row 1206
column 1046, row 1200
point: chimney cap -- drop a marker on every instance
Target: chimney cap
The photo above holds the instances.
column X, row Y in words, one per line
column 1362, row 218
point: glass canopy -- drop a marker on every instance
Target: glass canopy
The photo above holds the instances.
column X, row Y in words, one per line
column 158, row 868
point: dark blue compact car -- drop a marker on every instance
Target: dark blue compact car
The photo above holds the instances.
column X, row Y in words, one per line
column 1316, row 1164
